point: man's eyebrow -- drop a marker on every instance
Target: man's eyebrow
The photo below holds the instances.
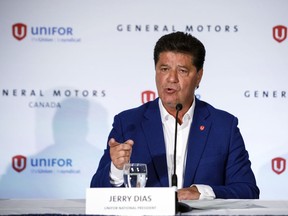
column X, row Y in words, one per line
column 184, row 66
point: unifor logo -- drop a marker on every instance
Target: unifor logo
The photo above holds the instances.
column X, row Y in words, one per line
column 19, row 31
column 147, row 96
column 278, row 165
column 19, row 163
column 279, row 33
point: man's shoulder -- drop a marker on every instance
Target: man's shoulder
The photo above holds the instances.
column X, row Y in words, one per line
column 213, row 111
column 141, row 109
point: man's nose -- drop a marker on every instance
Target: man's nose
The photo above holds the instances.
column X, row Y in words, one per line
column 173, row 76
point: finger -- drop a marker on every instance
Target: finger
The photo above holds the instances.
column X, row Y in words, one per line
column 112, row 142
column 122, row 160
column 123, row 153
column 118, row 150
column 129, row 142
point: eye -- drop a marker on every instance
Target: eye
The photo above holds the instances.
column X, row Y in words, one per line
column 183, row 71
column 164, row 69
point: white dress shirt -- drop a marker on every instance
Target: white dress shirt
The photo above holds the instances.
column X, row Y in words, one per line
column 168, row 123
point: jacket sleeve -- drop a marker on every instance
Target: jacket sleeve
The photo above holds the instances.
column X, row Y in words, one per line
column 240, row 181
column 101, row 178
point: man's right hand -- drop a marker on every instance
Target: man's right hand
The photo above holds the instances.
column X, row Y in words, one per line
column 120, row 153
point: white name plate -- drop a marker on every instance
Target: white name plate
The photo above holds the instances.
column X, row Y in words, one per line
column 130, row 201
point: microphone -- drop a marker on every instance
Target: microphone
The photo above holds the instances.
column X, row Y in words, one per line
column 179, row 207
column 174, row 176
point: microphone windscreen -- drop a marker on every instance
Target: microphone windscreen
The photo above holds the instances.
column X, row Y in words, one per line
column 179, row 107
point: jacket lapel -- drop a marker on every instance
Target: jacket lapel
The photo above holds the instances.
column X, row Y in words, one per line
column 152, row 127
column 196, row 142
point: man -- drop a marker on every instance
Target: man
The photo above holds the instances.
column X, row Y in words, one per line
column 212, row 161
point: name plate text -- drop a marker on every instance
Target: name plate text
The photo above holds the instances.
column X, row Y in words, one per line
column 130, row 201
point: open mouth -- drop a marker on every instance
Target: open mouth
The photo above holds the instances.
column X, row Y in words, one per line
column 170, row 90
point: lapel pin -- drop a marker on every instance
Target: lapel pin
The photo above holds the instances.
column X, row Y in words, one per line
column 202, row 127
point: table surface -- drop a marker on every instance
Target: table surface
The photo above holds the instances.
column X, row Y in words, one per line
column 205, row 207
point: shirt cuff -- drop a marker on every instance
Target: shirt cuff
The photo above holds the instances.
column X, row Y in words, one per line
column 206, row 192
column 116, row 176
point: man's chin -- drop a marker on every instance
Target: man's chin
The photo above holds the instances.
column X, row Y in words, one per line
column 169, row 104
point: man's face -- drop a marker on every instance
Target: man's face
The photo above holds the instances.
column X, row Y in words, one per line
column 176, row 79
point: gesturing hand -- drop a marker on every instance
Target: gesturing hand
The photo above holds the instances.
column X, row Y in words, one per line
column 120, row 152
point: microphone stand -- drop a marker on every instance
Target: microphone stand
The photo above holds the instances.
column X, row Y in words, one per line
column 179, row 206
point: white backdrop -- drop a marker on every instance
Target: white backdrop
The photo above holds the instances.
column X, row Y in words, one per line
column 69, row 66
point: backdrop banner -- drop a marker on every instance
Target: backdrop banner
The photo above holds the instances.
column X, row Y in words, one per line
column 67, row 67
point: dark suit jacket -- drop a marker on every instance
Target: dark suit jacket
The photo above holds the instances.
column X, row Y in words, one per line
column 216, row 153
